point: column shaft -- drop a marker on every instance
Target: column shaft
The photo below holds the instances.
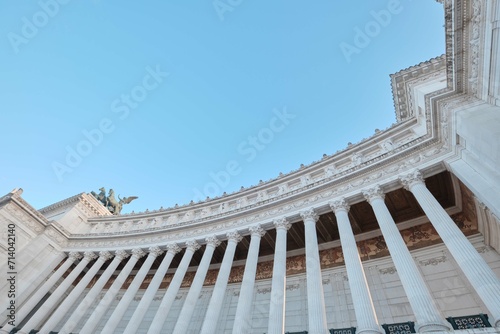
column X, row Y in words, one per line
column 169, row 297
column 215, row 304
column 427, row 316
column 243, row 318
column 51, row 323
column 315, row 297
column 49, row 305
column 361, row 298
column 475, row 268
column 183, row 321
column 102, row 307
column 153, row 286
column 82, row 308
column 128, row 296
column 276, row 323
column 41, row 292
column 35, row 279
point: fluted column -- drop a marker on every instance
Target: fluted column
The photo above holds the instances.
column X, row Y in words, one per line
column 219, row 291
column 361, row 298
column 315, row 297
column 59, row 313
column 153, row 286
column 102, row 307
column 427, row 316
column 477, row 271
column 50, row 303
column 42, row 291
column 167, row 300
column 128, row 296
column 194, row 291
column 276, row 323
column 243, row 318
column 82, row 308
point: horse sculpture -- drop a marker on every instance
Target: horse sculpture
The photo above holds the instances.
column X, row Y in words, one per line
column 110, row 202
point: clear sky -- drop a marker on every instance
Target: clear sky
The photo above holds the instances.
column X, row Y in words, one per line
column 173, row 102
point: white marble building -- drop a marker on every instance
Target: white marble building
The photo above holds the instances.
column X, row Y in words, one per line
column 397, row 233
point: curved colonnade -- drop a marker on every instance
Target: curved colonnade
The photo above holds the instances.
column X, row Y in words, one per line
column 340, row 231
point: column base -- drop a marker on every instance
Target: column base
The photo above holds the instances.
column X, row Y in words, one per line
column 370, row 331
column 433, row 327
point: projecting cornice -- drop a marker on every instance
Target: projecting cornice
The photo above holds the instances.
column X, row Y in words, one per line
column 88, row 203
column 401, row 81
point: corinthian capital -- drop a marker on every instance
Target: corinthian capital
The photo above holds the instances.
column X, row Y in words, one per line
column 338, row 205
column 212, row 241
column 89, row 256
column 74, row 256
column 373, row 193
column 105, row 255
column 282, row 223
column 193, row 245
column 233, row 236
column 309, row 214
column 257, row 231
column 411, row 179
column 138, row 253
column 155, row 251
column 173, row 248
column 121, row 254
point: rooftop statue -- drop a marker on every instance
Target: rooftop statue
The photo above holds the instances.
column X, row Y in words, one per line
column 110, row 202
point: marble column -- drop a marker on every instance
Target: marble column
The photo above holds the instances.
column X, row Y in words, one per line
column 475, row 268
column 153, row 286
column 169, row 297
column 51, row 323
column 102, row 307
column 84, row 305
column 243, row 318
column 219, row 291
column 363, row 305
column 315, row 297
column 427, row 315
column 42, row 291
column 32, row 281
column 49, row 305
column 183, row 321
column 276, row 323
column 132, row 289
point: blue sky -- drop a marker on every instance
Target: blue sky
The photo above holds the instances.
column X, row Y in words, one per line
column 172, row 102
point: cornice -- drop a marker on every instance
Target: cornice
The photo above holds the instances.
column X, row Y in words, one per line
column 418, row 73
column 26, row 207
column 61, row 204
column 88, row 202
